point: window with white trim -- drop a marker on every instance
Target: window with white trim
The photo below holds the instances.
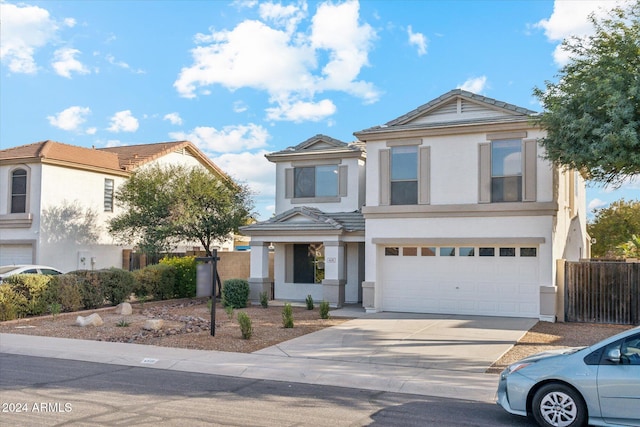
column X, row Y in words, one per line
column 404, row 175
column 19, row 191
column 506, row 170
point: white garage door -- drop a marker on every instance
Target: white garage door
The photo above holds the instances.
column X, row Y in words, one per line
column 453, row 280
column 16, row 254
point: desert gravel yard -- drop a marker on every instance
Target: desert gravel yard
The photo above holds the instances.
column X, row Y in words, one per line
column 187, row 325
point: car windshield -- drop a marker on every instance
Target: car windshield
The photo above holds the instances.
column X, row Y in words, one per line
column 8, row 268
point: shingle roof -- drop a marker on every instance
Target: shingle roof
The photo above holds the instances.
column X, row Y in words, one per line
column 318, row 220
column 131, row 156
column 335, row 145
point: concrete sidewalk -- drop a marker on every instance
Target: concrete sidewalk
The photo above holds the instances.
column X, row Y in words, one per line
column 433, row 355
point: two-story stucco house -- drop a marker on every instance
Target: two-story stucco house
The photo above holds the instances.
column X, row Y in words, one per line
column 463, row 215
column 47, row 189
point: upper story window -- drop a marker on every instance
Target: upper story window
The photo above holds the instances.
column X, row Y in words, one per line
column 108, row 195
column 404, row 175
column 316, row 181
column 506, row 170
column 19, row 191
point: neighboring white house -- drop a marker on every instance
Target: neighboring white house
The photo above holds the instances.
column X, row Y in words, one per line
column 44, row 185
column 463, row 215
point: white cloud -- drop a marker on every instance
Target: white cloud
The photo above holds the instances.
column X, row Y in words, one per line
column 302, row 111
column 113, row 61
column 229, row 139
column 24, row 29
column 630, row 183
column 123, row 121
column 65, row 62
column 250, row 168
column 419, row 40
column 475, row 84
column 173, row 118
column 240, row 107
column 571, row 18
column 230, row 57
column 69, row 22
column 596, row 204
column 70, row 119
column 91, row 131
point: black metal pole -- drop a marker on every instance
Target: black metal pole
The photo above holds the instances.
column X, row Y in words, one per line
column 214, row 273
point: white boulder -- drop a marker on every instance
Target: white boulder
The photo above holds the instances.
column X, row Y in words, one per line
column 91, row 320
column 124, row 309
column 153, row 324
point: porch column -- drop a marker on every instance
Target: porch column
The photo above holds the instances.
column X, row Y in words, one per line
column 259, row 270
column 334, row 274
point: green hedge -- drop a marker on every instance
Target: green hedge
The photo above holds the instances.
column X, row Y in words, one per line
column 157, row 281
column 185, row 268
column 34, row 289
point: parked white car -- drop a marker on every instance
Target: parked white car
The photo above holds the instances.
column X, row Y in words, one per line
column 10, row 270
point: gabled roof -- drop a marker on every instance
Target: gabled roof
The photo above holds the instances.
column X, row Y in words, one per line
column 307, row 219
column 319, row 145
column 59, row 153
column 456, row 107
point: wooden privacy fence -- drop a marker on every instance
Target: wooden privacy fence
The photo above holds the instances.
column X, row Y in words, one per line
column 602, row 292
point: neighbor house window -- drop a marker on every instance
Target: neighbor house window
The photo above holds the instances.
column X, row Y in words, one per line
column 404, row 175
column 19, row 191
column 308, row 263
column 108, row 195
column 506, row 170
column 316, row 181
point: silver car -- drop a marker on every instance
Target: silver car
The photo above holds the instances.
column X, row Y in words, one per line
column 10, row 270
column 597, row 385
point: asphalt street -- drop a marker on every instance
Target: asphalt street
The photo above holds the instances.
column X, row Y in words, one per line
column 37, row 391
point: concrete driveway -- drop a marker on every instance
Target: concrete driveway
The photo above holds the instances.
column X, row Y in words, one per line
column 426, row 341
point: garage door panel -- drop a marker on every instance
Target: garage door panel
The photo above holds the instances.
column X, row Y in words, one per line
column 16, row 254
column 503, row 286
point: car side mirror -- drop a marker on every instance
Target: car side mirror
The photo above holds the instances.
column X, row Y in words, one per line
column 614, row 355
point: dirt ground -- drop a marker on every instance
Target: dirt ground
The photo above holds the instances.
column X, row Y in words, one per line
column 186, row 324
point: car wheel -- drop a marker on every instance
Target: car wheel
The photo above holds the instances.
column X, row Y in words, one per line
column 560, row 406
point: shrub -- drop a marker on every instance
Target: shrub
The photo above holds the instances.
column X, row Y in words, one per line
column 309, row 302
column 55, row 308
column 245, row 325
column 68, row 289
column 185, row 267
column 287, row 315
column 235, row 292
column 324, row 310
column 157, row 280
column 90, row 288
column 264, row 299
column 117, row 284
column 229, row 310
column 12, row 303
column 34, row 288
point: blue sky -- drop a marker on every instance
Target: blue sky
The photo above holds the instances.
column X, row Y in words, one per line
column 244, row 78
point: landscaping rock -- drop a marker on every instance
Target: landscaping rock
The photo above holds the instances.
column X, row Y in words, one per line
column 153, row 324
column 91, row 320
column 124, row 309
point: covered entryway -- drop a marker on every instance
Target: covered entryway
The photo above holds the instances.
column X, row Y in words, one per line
column 461, row 280
column 16, row 254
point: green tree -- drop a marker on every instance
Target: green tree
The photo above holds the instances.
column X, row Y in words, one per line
column 165, row 205
column 613, row 226
column 146, row 199
column 592, row 114
column 209, row 209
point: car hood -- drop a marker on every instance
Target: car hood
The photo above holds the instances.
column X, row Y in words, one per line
column 562, row 352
